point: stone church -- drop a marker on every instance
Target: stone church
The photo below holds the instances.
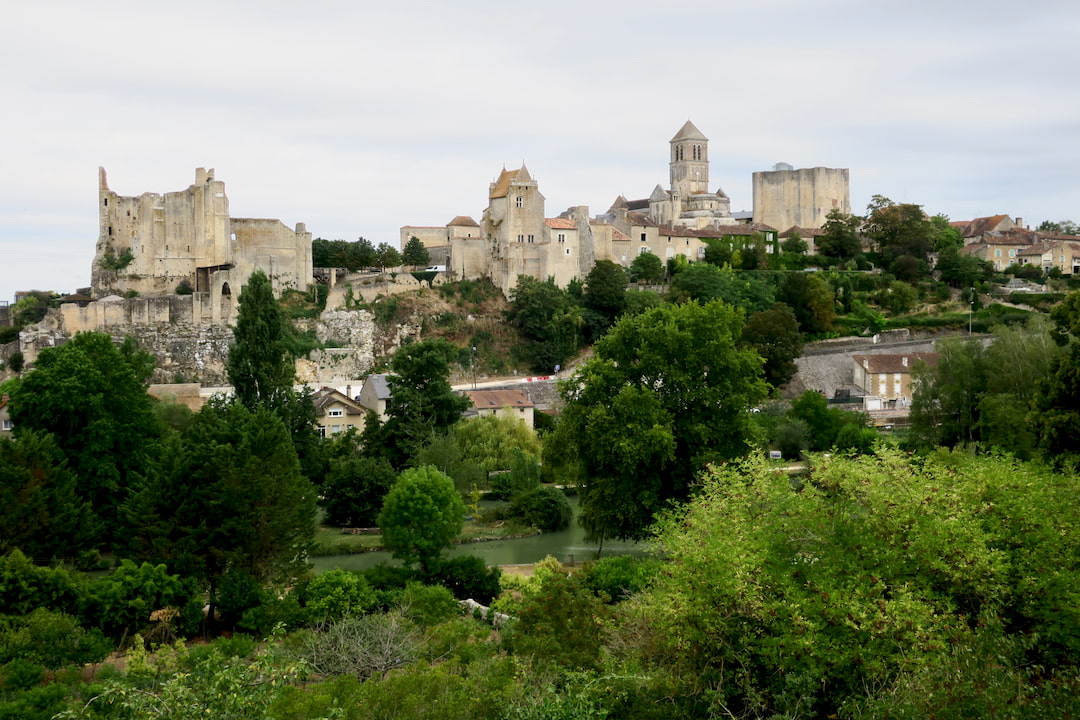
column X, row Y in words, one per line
column 514, row 237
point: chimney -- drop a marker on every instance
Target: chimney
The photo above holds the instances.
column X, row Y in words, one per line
column 1020, row 222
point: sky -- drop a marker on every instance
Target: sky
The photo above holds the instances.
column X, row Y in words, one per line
column 357, row 117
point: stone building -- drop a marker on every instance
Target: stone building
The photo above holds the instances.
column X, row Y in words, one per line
column 153, row 244
column 784, row 196
column 514, row 236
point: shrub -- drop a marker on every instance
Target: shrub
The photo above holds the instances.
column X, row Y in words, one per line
column 614, row 578
column 428, row 605
column 20, row 674
column 545, row 508
column 335, row 594
column 123, row 602
column 184, row 287
column 467, row 576
column 51, row 639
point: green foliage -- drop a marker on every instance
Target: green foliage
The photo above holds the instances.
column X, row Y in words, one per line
column 422, row 515
column 230, row 499
column 647, row 268
column 387, row 256
column 421, row 405
column 560, row 625
column 91, row 396
column 620, row 577
column 16, row 362
column 544, row 508
column 865, row 582
column 25, row 586
column 466, row 576
column 840, row 238
column 184, row 287
column 705, row 282
column 549, row 318
column 335, row 594
column 604, row 295
column 51, row 639
column 354, row 488
column 122, row 602
column 111, row 261
column 774, row 334
column 523, row 477
column 353, row 256
column 665, row 392
column 40, row 509
column 898, row 298
column 811, row 299
column 259, row 365
column 415, row 253
column 428, row 605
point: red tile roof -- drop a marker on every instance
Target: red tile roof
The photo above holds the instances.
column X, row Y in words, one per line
column 560, row 223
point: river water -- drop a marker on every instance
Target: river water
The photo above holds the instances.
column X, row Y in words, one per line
column 565, row 545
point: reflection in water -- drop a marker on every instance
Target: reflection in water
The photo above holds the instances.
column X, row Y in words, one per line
column 566, row 545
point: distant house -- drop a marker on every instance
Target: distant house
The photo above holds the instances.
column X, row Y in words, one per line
column 1055, row 252
column 5, row 418
column 888, row 377
column 506, row 403
column 374, row 394
column 336, row 413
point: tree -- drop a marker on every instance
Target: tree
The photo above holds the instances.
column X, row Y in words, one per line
column 262, row 370
column 960, row 271
column 774, row 334
column 549, row 319
column 945, row 397
column 666, row 392
column 840, row 236
column 387, row 256
column 899, row 230
column 811, row 299
column 647, row 268
column 91, row 398
column 1063, row 227
column 41, row 512
column 354, row 488
column 260, row 366
column 415, row 253
column 230, row 500
column 705, row 282
column 422, row 403
column 604, row 295
column 422, row 515
column 880, row 588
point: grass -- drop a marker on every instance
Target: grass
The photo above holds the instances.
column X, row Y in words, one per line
column 331, row 541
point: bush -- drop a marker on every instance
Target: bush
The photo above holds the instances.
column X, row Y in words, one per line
column 122, row 603
column 615, row 578
column 16, row 362
column 335, row 594
column 467, row 576
column 21, row 674
column 428, row 605
column 545, row 508
column 51, row 639
column 184, row 287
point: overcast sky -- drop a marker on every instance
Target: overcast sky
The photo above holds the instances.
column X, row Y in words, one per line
column 359, row 117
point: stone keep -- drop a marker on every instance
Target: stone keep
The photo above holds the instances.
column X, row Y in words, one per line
column 784, row 197
column 152, row 243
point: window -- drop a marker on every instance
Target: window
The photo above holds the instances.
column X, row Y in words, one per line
column 697, row 152
column 562, row 237
column 521, row 238
column 567, row 251
column 6, row 425
column 997, row 253
column 1012, row 253
column 335, row 412
column 519, row 201
column 643, row 237
column 642, row 250
column 530, row 238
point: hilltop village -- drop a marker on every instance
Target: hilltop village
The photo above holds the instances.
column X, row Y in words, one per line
column 664, row 461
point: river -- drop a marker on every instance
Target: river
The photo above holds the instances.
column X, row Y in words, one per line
column 565, row 545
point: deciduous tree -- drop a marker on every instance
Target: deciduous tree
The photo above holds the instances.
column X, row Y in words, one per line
column 422, row 515
column 665, row 392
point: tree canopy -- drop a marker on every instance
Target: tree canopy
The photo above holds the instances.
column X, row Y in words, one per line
column 415, row 253
column 666, row 392
column 91, row 397
column 422, row 515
